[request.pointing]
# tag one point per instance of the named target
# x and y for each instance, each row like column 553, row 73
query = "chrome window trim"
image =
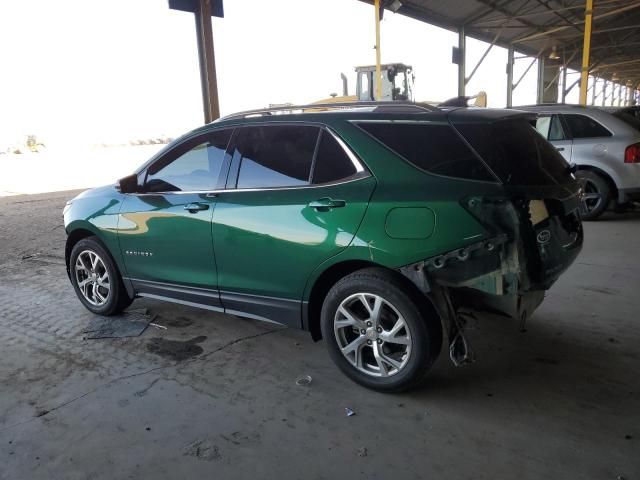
column 354, row 178
column 429, row 122
column 177, row 143
column 420, row 169
column 352, row 156
column 361, row 171
column 322, row 127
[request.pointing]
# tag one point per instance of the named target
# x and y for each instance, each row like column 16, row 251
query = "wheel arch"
column 81, row 232
column 329, row 277
column 74, row 237
column 605, row 176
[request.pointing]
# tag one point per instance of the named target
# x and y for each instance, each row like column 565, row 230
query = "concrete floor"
column 561, row 400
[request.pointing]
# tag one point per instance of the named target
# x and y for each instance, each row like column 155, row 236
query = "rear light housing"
column 632, row 153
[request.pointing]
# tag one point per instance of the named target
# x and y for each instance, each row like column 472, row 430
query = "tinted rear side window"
column 435, row 148
column 582, row 126
column 516, row 152
column 332, row 163
column 275, row 155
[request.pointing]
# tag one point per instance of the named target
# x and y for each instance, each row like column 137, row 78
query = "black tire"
column 594, row 184
column 425, row 329
column 117, row 298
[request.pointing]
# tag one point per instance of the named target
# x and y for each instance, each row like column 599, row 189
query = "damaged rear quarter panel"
column 401, row 185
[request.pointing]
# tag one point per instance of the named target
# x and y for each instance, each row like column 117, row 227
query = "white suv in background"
column 604, row 148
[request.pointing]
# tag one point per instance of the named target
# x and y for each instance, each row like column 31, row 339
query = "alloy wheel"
column 92, row 278
column 372, row 335
column 591, row 196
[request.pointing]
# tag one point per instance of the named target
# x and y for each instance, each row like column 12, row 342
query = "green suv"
column 380, row 228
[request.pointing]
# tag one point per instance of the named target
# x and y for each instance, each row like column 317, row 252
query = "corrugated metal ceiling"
column 535, row 26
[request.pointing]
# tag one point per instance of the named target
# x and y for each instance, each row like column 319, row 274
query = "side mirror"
column 128, row 184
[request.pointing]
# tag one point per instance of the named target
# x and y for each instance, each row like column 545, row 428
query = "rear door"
column 590, row 138
column 295, row 197
column 165, row 230
column 551, row 128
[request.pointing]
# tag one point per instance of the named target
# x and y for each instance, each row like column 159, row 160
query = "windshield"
column 402, row 86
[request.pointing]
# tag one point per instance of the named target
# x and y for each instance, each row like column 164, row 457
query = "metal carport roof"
column 534, row 27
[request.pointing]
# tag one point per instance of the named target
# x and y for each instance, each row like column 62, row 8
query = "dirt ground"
column 214, row 396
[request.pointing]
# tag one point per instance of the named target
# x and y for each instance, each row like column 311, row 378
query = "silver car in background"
column 604, row 148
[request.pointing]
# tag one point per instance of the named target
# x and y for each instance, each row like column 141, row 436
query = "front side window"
column 582, row 126
column 549, row 127
column 193, row 166
column 436, row 148
column 275, row 155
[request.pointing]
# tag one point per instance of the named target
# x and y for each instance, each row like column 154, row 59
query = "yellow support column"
column 586, row 50
column 378, row 72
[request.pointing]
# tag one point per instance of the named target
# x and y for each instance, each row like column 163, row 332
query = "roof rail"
column 548, row 104
column 383, row 106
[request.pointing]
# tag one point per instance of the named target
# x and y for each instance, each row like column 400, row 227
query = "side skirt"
column 281, row 311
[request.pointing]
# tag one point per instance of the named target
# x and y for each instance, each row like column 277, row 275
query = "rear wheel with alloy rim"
column 377, row 333
column 96, row 279
column 596, row 194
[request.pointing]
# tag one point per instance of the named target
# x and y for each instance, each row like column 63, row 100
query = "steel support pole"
column 586, row 51
column 604, row 92
column 378, row 68
column 593, row 90
column 540, row 79
column 620, row 95
column 510, row 53
column 564, row 83
column 462, row 60
column 211, row 105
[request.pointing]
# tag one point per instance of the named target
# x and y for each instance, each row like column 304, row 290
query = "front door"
column 165, row 230
column 295, row 198
column 550, row 127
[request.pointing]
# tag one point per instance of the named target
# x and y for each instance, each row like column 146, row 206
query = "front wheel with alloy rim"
column 596, row 194
column 96, row 279
column 378, row 333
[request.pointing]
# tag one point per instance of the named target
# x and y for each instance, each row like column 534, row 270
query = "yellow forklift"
column 397, row 84
column 397, row 80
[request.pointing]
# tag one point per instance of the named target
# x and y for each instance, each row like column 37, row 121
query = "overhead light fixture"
column 395, row 6
column 554, row 53
column 615, row 77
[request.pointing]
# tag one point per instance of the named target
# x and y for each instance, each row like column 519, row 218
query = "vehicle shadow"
column 550, row 364
column 610, row 215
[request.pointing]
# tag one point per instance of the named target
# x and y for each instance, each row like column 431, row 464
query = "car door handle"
column 196, row 207
column 326, row 204
column 560, row 149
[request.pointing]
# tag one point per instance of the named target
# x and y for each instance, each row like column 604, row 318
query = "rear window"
column 628, row 119
column 435, row 148
column 582, row 126
column 516, row 152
